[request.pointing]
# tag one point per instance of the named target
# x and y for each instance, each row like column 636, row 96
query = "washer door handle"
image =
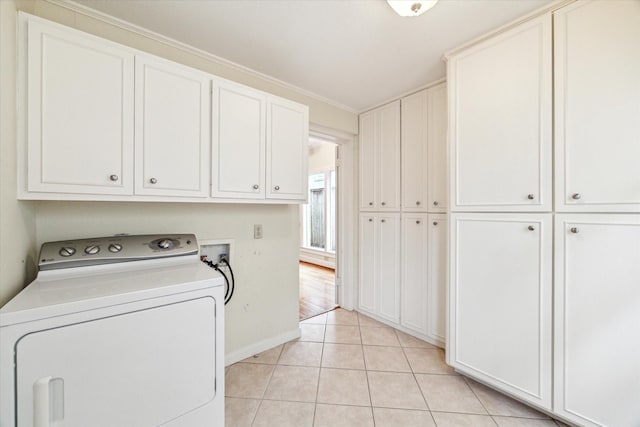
column 48, row 401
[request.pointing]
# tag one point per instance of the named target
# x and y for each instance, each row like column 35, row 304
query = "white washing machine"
column 118, row 331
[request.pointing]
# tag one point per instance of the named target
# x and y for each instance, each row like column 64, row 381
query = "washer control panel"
column 120, row 248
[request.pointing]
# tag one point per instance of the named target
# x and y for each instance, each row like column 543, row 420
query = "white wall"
column 265, row 305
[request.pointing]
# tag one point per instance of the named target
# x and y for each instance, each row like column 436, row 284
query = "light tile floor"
column 348, row 370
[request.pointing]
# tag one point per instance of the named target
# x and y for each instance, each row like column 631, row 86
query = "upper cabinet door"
column 368, row 154
column 437, row 149
column 415, row 119
column 500, row 121
column 597, row 106
column 238, row 143
column 389, row 157
column 172, row 129
column 287, row 149
column 80, row 112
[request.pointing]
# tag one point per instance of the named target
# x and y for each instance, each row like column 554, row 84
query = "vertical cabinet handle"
column 113, row 177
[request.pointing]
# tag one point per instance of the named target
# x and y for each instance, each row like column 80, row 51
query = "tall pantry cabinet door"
column 80, row 112
column 597, row 295
column 238, row 142
column 500, row 302
column 287, row 149
column 500, row 121
column 367, row 263
column 597, row 106
column 415, row 255
column 437, row 149
column 414, row 131
column 389, row 158
column 388, row 248
column 172, row 129
column 437, row 279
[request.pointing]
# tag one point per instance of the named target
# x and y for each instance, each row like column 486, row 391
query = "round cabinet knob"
column 418, row 203
column 531, row 228
column 115, row 247
column 67, row 251
column 153, row 181
column 113, row 177
column 384, row 220
column 92, row 249
column 165, row 244
column 417, row 221
column 574, row 230
column 435, row 222
column 531, row 196
column 383, row 203
column 576, row 196
column 277, row 187
column 435, row 203
column 370, row 203
column 256, row 186
column 370, row 219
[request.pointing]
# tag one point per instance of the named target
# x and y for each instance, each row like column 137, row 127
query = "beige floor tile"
column 346, row 356
column 340, row 316
column 449, row 393
column 341, row 334
column 301, row 354
column 447, row 419
column 395, row 390
column 295, row 383
column 274, row 413
column 561, row 424
column 312, row 333
column 498, row 404
column 247, row 380
column 379, row 358
column 369, row 322
column 407, row 340
column 379, row 336
column 239, row 412
column 270, row 357
column 523, row 422
column 427, row 361
column 386, row 417
column 343, row 416
column 343, row 387
column 320, row 319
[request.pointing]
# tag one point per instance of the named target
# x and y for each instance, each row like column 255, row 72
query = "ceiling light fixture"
column 411, row 7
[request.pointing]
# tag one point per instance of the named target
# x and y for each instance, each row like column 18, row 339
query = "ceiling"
column 356, row 53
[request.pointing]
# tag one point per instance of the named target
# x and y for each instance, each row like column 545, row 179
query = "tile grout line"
column 476, row 395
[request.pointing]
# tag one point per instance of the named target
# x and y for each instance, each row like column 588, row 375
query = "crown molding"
column 128, row 26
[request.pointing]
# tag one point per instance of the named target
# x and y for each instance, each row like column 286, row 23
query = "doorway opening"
column 318, row 230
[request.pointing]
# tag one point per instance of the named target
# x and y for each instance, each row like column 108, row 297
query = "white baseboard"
column 261, row 346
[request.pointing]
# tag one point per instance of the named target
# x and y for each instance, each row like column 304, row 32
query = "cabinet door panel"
column 238, row 142
column 172, row 129
column 597, row 112
column 414, row 152
column 80, row 112
column 367, row 263
column 389, row 159
column 437, row 270
column 388, row 249
column 437, row 149
column 415, row 258
column 368, row 160
column 597, row 370
column 500, row 122
column 287, row 150
column 500, row 301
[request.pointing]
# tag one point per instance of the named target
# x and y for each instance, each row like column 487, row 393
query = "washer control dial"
column 66, row 251
column 92, row 249
column 115, row 247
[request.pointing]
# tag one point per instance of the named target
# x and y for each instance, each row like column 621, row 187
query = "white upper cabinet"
column 415, row 157
column 597, row 320
column 238, row 143
column 172, row 137
column 437, row 149
column 500, row 121
column 597, row 106
column 79, row 112
column 500, row 301
column 287, row 149
column 380, row 158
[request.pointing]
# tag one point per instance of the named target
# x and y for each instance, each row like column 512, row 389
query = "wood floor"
column 317, row 290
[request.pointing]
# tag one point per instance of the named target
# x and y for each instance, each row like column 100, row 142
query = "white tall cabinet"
column 403, row 160
column 501, row 274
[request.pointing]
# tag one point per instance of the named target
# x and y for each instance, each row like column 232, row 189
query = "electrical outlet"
column 257, row 231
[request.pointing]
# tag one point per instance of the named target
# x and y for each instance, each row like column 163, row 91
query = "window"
column 319, row 215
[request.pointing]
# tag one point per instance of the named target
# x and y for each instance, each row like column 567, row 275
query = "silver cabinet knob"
column 417, row 221
column 370, row 219
column 383, row 220
column 256, row 186
column 576, row 196
column 113, row 177
column 418, row 203
column 67, row 251
column 383, row 203
column 277, row 187
column 531, row 228
column 574, row 230
column 435, row 203
column 370, row 203
column 153, row 181
column 435, row 222
column 531, row 196
column 92, row 249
